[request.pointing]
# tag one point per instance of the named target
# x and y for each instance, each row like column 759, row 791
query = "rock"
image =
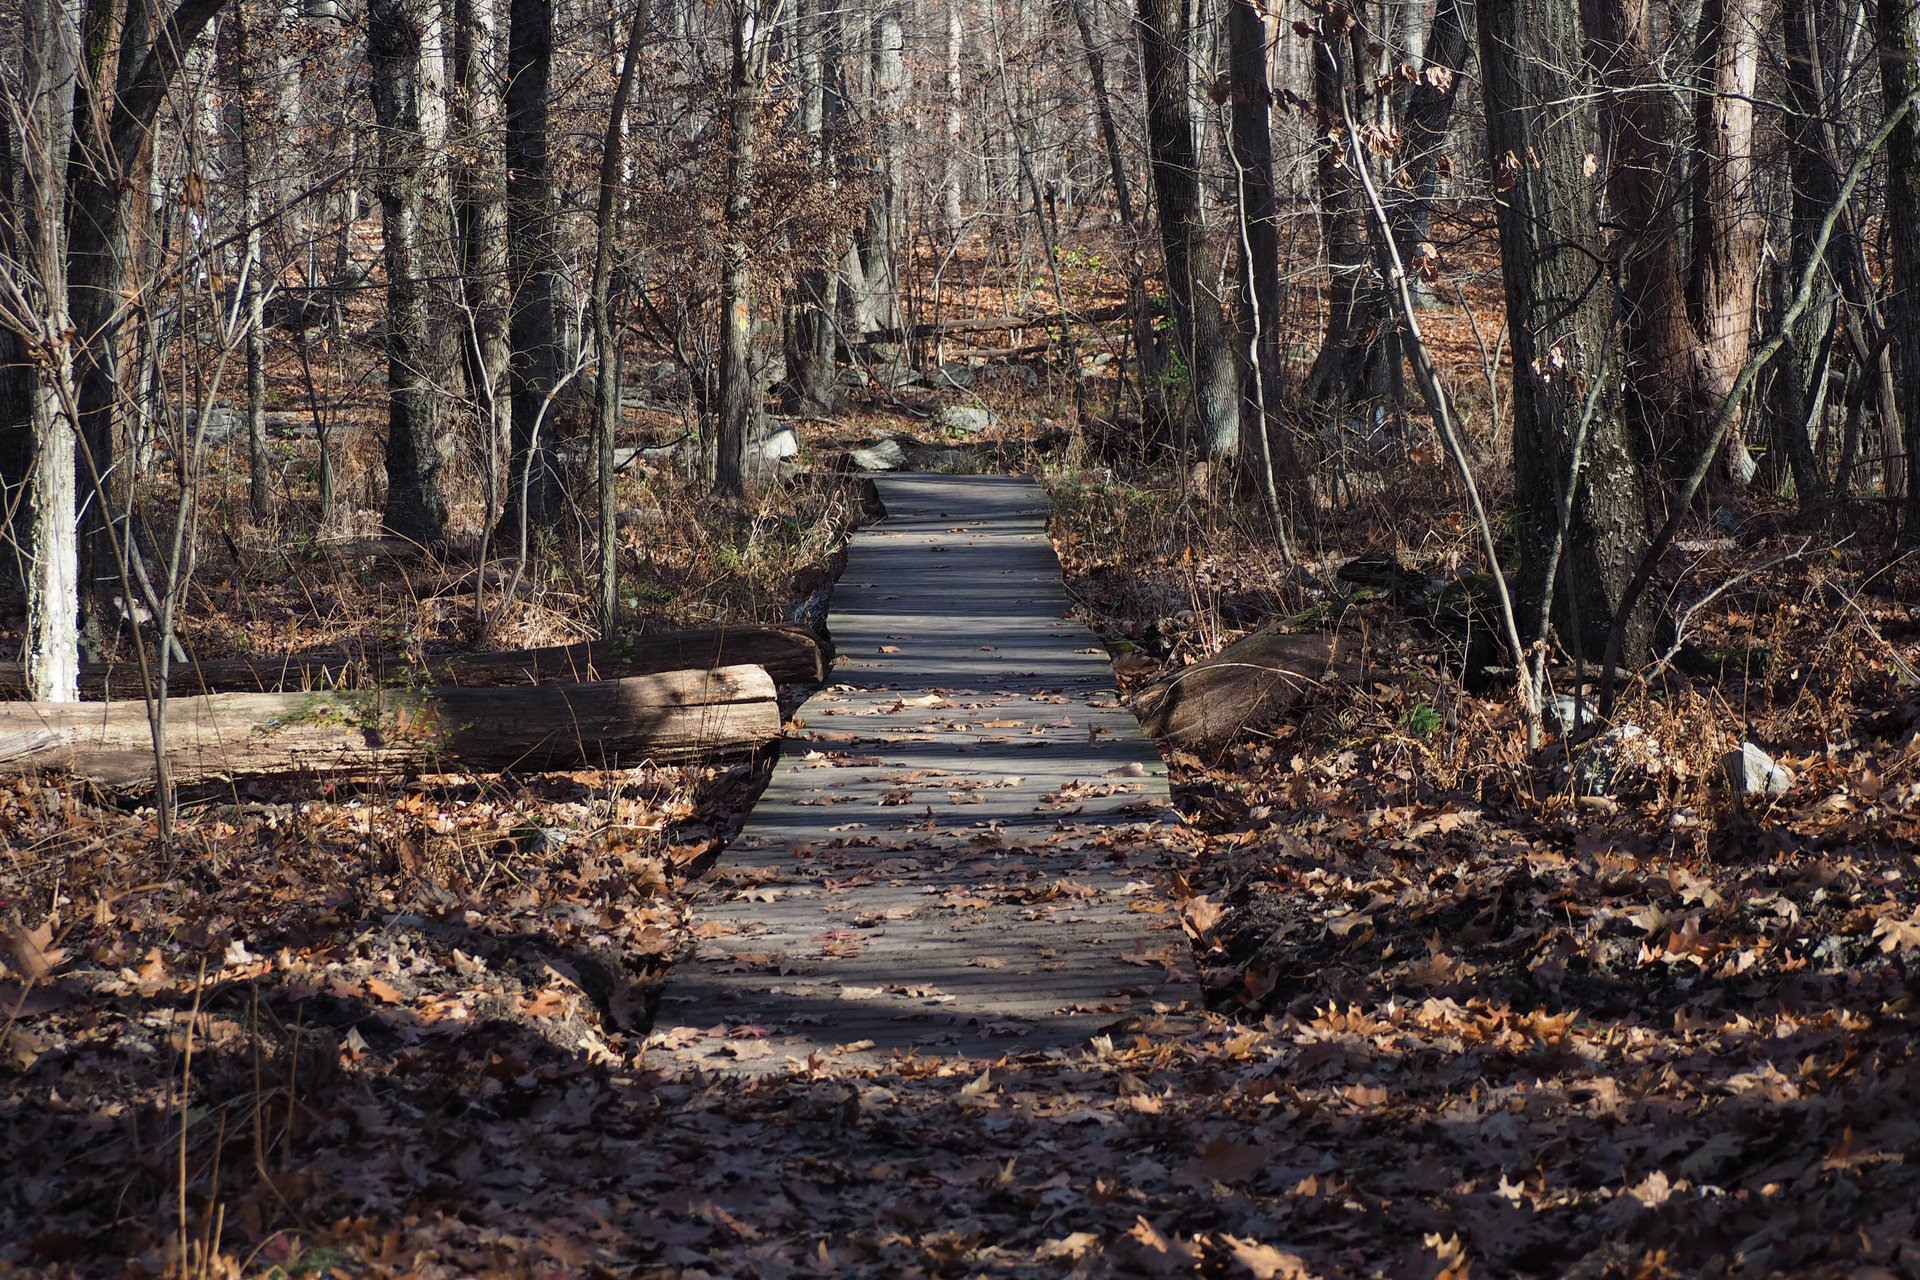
column 812, row 612
column 773, row 446
column 1566, row 714
column 895, row 377
column 539, row 840
column 953, row 375
column 669, row 378
column 1608, row 761
column 1752, row 772
column 850, row 377
column 881, row 455
column 886, row 352
column 963, row 417
column 222, row 422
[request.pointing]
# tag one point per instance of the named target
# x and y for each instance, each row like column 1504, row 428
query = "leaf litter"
column 1454, row 1025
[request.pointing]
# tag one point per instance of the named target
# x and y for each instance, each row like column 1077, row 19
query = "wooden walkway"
column 958, row 852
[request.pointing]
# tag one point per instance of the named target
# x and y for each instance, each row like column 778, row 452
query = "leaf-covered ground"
column 1458, row 1019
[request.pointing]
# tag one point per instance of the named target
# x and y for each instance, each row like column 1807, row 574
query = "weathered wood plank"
column 673, row 716
column 957, row 849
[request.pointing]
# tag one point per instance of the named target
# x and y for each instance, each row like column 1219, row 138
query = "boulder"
column 964, row 418
column 880, row 455
column 1752, row 772
column 773, row 446
column 1620, row 758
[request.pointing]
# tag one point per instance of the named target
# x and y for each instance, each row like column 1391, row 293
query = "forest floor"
column 1460, row 1015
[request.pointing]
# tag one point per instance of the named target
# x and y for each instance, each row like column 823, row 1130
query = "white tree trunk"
column 53, row 572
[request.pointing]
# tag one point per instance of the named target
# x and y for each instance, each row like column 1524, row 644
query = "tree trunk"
column 52, row 646
column 1801, row 373
column 112, row 122
column 480, row 229
column 1248, row 686
column 952, row 215
column 1192, row 292
column 1251, row 140
column 605, row 336
column 1638, row 122
column 1351, row 366
column 415, row 508
column 1727, row 226
column 740, row 391
column 686, row 715
column 1559, row 316
column 814, row 301
column 877, row 296
column 1898, row 35
column 1428, row 117
column 239, row 92
column 532, row 499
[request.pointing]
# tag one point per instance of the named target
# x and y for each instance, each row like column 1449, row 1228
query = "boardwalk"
column 958, row 852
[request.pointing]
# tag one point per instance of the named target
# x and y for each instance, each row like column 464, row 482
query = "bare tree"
column 242, row 97
column 113, row 116
column 38, row 108
column 740, row 390
column 533, row 268
column 1193, row 294
column 415, row 507
column 1560, row 317
column 606, row 343
column 1271, row 452
column 480, row 221
column 1897, row 26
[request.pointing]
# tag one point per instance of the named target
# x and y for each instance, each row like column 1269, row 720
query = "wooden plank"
column 674, row 716
column 957, row 850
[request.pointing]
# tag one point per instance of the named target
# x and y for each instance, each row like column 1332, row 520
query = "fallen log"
column 675, row 716
column 791, row 655
column 1250, row 683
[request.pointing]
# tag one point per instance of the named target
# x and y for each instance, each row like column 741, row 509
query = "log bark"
column 790, row 655
column 682, row 715
column 1248, row 684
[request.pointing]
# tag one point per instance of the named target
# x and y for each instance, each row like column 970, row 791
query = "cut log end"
column 1251, row 683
